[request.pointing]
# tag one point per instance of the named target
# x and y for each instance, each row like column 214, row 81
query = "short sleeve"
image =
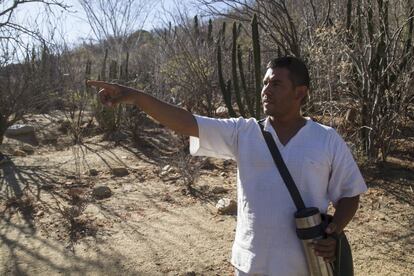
column 217, row 138
column 345, row 179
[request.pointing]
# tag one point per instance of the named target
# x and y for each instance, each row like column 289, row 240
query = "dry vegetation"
column 159, row 216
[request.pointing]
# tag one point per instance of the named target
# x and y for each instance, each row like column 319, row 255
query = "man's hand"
column 344, row 211
column 111, row 94
column 171, row 116
column 326, row 248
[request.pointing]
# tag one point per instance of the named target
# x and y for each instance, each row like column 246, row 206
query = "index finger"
column 100, row 84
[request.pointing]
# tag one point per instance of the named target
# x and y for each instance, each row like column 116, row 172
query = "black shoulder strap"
column 280, row 164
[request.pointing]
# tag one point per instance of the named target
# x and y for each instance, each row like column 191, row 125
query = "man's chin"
column 272, row 113
column 267, row 112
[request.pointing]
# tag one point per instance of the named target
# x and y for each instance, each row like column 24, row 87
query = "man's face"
column 279, row 96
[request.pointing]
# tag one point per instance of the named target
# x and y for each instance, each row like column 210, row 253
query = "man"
column 317, row 158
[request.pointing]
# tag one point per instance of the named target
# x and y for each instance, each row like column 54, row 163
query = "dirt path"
column 149, row 227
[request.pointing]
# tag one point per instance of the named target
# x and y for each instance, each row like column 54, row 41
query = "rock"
column 219, row 190
column 76, row 193
column 93, row 172
column 120, row 171
column 19, row 129
column 163, row 173
column 101, row 192
column 40, row 213
column 226, row 206
column 222, row 112
column 28, row 149
column 19, row 153
column 93, row 211
column 189, row 273
column 165, row 170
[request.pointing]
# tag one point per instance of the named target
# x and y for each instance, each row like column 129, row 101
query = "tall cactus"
column 249, row 103
column 253, row 105
column 225, row 88
column 102, row 75
column 196, row 27
column 113, row 70
column 126, row 66
column 210, row 32
column 234, row 72
column 257, row 63
column 88, row 70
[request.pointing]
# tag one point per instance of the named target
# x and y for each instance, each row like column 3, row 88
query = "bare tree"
column 28, row 85
column 189, row 63
column 10, row 29
column 114, row 21
column 283, row 23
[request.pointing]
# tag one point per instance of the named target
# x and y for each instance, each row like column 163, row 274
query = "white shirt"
column 320, row 164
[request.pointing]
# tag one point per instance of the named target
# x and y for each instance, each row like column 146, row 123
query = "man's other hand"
column 326, row 248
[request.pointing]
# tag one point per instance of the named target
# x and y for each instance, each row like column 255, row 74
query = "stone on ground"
column 226, row 206
column 28, row 149
column 219, row 190
column 19, row 129
column 93, row 172
column 101, row 192
column 121, row 171
column 19, row 153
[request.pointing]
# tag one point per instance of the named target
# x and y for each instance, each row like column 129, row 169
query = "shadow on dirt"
column 394, row 178
column 22, row 195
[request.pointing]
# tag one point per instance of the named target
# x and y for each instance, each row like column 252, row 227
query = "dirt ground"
column 150, row 225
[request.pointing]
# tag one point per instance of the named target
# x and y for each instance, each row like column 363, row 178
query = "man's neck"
column 288, row 122
column 287, row 127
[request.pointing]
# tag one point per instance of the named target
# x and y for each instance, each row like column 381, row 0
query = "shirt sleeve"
column 345, row 179
column 217, row 138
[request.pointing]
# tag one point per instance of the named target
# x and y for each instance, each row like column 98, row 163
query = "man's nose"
column 265, row 89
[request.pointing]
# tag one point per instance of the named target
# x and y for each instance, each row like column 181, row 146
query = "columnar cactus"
column 257, row 64
column 102, row 75
column 253, row 105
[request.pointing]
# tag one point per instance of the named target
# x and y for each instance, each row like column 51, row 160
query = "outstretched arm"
column 173, row 117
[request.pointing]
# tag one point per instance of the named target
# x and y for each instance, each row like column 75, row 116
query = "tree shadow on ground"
column 394, row 178
column 23, row 192
column 23, row 243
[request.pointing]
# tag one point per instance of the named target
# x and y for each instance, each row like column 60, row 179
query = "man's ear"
column 301, row 92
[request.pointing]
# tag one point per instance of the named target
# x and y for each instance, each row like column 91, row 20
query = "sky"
column 73, row 27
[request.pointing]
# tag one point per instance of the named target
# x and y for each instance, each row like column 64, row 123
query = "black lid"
column 307, row 212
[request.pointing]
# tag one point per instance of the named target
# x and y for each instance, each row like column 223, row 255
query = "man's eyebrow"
column 272, row 80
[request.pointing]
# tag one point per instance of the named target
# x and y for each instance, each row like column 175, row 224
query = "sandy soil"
column 50, row 223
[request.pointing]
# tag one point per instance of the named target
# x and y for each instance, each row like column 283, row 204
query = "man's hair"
column 298, row 73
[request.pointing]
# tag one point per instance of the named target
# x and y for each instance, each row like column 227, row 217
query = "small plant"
column 188, row 166
column 77, row 225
